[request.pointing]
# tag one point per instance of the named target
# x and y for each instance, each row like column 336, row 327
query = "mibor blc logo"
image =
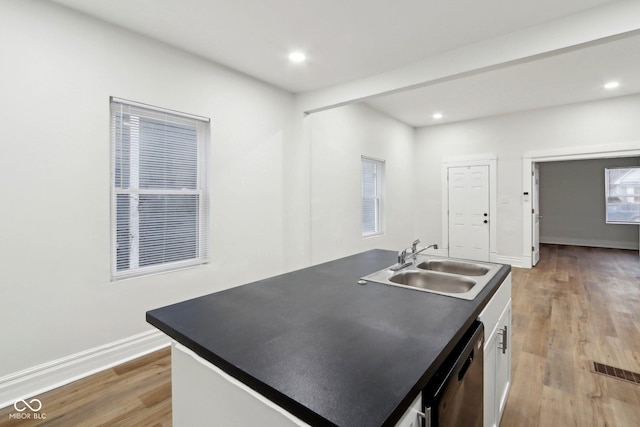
column 27, row 410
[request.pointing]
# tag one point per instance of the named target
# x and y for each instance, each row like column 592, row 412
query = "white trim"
column 612, row 244
column 513, row 261
column 470, row 160
column 159, row 109
column 47, row 376
column 623, row 149
column 487, row 159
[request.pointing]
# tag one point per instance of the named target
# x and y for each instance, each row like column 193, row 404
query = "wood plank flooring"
column 577, row 305
column 136, row 393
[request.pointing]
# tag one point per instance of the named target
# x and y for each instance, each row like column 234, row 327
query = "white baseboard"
column 50, row 375
column 613, row 244
column 514, row 261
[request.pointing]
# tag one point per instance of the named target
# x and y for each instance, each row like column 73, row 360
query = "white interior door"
column 469, row 214
column 535, row 212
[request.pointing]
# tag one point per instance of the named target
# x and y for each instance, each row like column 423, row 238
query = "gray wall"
column 572, row 205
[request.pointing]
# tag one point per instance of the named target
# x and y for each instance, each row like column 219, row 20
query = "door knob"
column 486, row 214
column 485, row 221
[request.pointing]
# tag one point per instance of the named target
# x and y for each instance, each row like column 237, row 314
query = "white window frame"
column 378, row 198
column 628, row 199
column 201, row 245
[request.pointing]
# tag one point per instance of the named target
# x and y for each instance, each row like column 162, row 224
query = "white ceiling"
column 570, row 77
column 347, row 40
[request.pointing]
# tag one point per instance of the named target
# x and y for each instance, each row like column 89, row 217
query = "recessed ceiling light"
column 611, row 85
column 437, row 116
column 297, row 57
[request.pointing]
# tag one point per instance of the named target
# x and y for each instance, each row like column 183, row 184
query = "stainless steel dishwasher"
column 454, row 397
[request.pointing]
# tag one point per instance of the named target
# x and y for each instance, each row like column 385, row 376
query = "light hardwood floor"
column 577, row 305
column 136, row 394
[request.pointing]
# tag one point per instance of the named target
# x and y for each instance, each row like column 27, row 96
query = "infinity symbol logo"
column 22, row 405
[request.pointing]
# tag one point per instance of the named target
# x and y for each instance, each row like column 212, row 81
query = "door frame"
column 535, row 213
column 489, row 160
column 529, row 158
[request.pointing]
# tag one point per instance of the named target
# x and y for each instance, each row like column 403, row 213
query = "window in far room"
column 622, row 189
column 372, row 196
column 159, row 206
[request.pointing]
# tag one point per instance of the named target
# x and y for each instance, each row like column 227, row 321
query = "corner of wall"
column 56, row 373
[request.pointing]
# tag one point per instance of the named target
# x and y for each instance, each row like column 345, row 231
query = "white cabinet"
column 496, row 318
column 489, row 410
column 503, row 361
column 411, row 417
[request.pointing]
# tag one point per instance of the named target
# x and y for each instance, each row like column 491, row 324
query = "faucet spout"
column 414, row 246
column 415, row 252
column 402, row 255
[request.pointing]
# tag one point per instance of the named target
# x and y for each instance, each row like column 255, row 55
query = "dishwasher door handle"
column 426, row 416
column 465, row 367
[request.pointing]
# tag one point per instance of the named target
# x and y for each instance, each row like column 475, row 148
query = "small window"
column 622, row 188
column 159, row 214
column 372, row 196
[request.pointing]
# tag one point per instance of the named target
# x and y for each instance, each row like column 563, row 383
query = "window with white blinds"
column 159, row 207
column 372, row 192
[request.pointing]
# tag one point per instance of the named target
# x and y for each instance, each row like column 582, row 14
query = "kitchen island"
column 322, row 347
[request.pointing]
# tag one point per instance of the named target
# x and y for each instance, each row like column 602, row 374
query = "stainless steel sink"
column 444, row 276
column 434, row 282
column 454, row 267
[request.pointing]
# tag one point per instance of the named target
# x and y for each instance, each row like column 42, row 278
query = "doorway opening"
column 533, row 160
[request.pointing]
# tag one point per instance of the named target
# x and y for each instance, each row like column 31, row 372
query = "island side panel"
column 203, row 395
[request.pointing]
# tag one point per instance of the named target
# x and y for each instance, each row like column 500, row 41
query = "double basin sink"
column 445, row 276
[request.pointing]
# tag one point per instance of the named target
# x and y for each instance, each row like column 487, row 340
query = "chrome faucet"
column 402, row 261
column 414, row 246
column 415, row 251
column 402, row 255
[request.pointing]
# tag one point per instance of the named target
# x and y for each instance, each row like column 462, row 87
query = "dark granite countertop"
column 328, row 350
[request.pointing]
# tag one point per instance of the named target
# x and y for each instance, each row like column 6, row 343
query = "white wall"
column 509, row 137
column 58, row 69
column 572, row 205
column 339, row 138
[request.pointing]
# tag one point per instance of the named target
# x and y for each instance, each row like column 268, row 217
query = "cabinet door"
column 490, row 352
column 410, row 417
column 497, row 365
column 503, row 361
